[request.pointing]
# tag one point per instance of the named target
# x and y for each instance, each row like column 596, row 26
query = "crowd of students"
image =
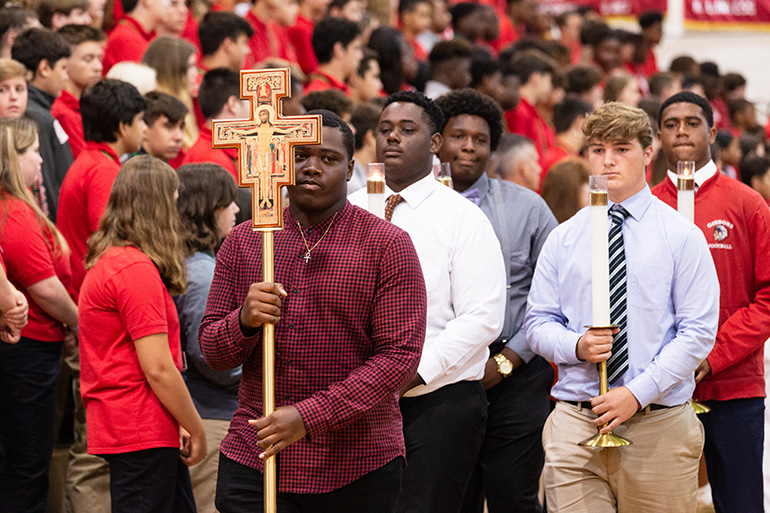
column 106, row 116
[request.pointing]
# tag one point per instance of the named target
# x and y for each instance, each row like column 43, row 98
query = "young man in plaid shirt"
column 349, row 308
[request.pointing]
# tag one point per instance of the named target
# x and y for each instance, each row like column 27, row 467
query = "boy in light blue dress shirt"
column 670, row 314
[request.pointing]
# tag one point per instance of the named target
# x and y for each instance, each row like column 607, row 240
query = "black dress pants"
column 240, row 489
column 512, row 457
column 443, row 431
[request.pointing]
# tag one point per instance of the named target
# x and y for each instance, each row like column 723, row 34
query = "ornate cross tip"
column 266, row 142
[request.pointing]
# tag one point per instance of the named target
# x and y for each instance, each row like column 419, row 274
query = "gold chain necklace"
column 308, row 248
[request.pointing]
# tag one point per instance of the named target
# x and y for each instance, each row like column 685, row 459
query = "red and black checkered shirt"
column 350, row 335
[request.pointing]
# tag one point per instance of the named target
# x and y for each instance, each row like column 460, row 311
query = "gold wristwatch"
column 504, row 365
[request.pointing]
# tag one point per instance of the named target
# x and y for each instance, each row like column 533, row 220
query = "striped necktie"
column 618, row 362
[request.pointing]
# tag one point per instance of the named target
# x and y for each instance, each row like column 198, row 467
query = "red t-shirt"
column 29, row 258
column 82, row 200
column 301, row 37
column 269, row 40
column 650, row 65
column 66, row 109
column 556, row 154
column 525, row 120
column 321, row 82
column 202, row 151
column 190, row 31
column 127, row 42
column 123, row 299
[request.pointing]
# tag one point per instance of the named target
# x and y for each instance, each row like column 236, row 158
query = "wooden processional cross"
column 266, row 163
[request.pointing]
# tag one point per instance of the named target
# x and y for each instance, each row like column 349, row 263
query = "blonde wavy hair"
column 616, row 122
column 16, row 137
column 141, row 212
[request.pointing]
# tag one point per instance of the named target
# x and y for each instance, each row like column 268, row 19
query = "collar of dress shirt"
column 417, row 192
column 482, row 184
column 701, row 175
column 637, row 204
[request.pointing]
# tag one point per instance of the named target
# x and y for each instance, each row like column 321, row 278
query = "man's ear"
column 231, row 106
column 351, row 166
column 435, row 143
column 43, row 68
column 121, row 129
column 227, row 44
column 338, row 50
column 55, row 19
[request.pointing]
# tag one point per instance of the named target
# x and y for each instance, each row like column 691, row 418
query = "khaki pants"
column 88, row 476
column 657, row 474
column 204, row 474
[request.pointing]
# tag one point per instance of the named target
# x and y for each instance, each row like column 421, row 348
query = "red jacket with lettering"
column 736, row 222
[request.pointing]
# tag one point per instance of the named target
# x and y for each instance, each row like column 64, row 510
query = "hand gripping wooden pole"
column 265, row 145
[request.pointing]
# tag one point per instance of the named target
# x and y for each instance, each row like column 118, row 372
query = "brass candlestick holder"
column 608, row 439
column 699, row 407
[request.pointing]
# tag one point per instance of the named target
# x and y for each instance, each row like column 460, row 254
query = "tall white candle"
column 375, row 188
column 600, row 259
column 685, row 189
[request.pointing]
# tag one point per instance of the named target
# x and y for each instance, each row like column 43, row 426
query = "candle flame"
column 375, row 172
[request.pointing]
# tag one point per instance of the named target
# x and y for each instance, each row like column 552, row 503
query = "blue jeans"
column 28, row 372
column 734, row 445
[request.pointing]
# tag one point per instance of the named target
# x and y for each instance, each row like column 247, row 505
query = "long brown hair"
column 562, row 185
column 16, row 137
column 206, row 188
column 141, row 212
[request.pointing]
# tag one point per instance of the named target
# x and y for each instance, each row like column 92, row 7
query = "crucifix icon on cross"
column 265, row 141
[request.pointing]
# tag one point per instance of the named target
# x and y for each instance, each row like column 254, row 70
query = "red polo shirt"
column 650, row 64
column 301, row 37
column 556, row 154
column 66, row 109
column 269, row 40
column 525, row 120
column 83, row 199
column 321, row 82
column 127, row 42
column 202, row 151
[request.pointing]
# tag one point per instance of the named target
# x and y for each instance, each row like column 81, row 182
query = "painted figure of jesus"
column 260, row 142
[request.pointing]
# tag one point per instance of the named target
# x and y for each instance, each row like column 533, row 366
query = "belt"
column 587, row 405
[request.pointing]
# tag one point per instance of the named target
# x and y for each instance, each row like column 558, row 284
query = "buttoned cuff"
column 566, row 350
column 429, row 368
column 312, row 412
column 644, row 389
column 245, row 332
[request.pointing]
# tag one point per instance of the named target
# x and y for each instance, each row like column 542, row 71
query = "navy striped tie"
column 618, row 362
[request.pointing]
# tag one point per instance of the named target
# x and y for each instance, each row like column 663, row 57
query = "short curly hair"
column 688, row 97
column 431, row 112
column 473, row 103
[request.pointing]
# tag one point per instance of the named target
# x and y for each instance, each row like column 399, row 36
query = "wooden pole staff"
column 265, row 145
